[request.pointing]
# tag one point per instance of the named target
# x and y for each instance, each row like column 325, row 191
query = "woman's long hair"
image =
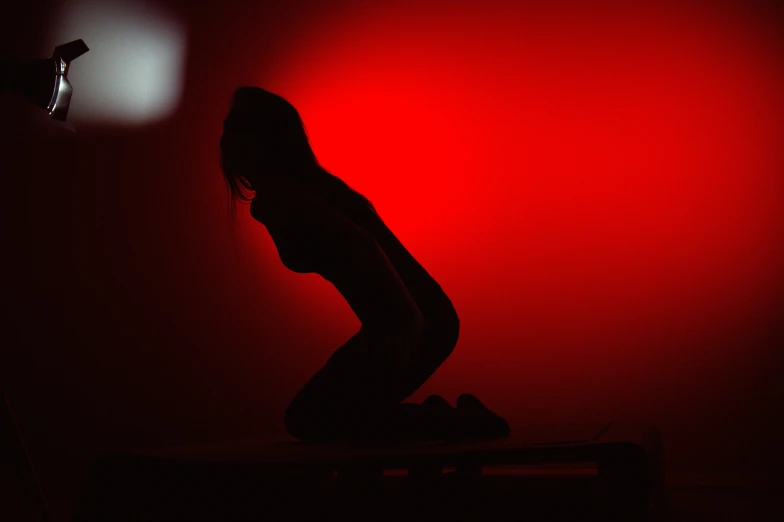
column 264, row 133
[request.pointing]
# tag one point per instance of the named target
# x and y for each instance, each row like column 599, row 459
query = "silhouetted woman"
column 320, row 225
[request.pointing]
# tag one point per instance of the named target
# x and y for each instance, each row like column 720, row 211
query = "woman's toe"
column 442, row 418
column 479, row 422
column 436, row 403
column 467, row 400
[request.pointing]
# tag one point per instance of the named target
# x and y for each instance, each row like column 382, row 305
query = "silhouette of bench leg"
column 626, row 475
column 425, row 472
column 469, row 469
column 360, row 477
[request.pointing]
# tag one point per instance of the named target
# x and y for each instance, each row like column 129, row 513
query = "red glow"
column 599, row 193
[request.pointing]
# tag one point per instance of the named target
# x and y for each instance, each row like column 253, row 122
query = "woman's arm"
column 309, row 233
column 360, row 270
column 439, row 313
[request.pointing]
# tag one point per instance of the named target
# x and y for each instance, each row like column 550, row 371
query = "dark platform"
column 610, row 471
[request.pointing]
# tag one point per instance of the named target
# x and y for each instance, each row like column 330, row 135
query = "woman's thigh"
column 359, row 374
column 366, row 378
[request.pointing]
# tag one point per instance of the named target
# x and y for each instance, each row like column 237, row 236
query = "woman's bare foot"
column 442, row 419
column 435, row 420
column 408, row 423
column 476, row 421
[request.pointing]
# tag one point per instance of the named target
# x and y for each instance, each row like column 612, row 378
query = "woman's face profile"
column 245, row 152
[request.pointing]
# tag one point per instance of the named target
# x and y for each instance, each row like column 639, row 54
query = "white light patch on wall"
column 134, row 71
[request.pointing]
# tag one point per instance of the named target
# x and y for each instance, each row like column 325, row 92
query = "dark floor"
column 499, row 495
column 502, row 495
column 726, row 504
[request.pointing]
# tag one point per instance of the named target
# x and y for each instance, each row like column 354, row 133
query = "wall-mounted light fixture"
column 44, row 82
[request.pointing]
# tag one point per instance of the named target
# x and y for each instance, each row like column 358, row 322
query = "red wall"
column 600, row 191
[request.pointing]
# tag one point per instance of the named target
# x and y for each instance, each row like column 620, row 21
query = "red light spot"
column 596, row 193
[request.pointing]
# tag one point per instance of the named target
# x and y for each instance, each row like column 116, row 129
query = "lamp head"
column 45, row 82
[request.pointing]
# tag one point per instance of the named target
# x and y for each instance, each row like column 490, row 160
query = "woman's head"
column 263, row 135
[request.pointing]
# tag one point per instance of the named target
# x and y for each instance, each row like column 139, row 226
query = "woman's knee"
column 311, row 420
column 444, row 340
column 298, row 425
column 299, row 420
